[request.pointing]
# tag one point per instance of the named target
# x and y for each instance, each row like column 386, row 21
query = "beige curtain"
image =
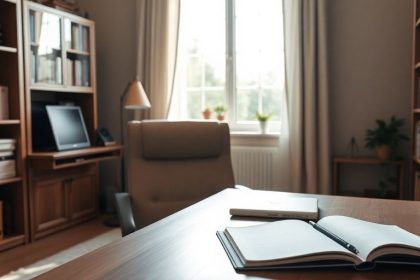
column 158, row 22
column 307, row 95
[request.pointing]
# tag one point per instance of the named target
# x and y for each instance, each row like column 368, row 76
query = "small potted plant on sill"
column 384, row 139
column 220, row 110
column 263, row 119
column 206, row 113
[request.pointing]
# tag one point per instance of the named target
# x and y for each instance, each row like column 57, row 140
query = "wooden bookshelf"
column 13, row 190
column 63, row 186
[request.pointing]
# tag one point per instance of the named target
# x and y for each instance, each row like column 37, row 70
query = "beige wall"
column 370, row 69
column 116, row 66
column 370, row 60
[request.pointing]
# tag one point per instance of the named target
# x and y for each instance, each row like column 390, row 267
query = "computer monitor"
column 68, row 127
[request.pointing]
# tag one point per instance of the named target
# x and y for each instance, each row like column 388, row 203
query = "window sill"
column 246, row 138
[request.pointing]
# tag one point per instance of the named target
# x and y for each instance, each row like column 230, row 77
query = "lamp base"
column 112, row 221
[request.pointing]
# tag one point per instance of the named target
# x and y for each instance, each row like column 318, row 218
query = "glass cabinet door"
column 77, row 53
column 46, row 49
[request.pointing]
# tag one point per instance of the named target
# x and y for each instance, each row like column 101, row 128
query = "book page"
column 283, row 242
column 367, row 236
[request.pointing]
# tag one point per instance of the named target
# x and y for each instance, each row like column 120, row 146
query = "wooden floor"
column 25, row 255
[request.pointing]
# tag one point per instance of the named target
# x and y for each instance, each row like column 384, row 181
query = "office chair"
column 173, row 164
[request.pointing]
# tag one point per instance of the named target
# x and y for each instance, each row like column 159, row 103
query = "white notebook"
column 278, row 207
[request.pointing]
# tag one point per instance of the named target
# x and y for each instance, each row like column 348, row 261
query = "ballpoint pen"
column 334, row 237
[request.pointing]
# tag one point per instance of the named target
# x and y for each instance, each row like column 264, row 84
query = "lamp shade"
column 136, row 96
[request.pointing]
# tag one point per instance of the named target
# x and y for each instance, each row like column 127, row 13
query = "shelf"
column 416, row 110
column 418, row 22
column 365, row 160
column 60, row 88
column 66, row 159
column 8, row 49
column 10, row 180
column 73, row 51
column 11, row 241
column 9, row 122
column 417, row 66
column 11, row 1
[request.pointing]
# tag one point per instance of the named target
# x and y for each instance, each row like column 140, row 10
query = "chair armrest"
column 125, row 213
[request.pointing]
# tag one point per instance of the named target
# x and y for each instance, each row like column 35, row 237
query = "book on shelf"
column 75, row 36
column 7, row 141
column 7, row 168
column 7, row 147
column 4, row 103
column 4, row 154
column 1, row 220
column 78, row 73
column 58, row 70
column 7, row 144
column 291, row 244
column 85, row 39
column 85, row 73
column 70, row 71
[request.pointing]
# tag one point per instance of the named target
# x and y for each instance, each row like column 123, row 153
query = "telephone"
column 104, row 137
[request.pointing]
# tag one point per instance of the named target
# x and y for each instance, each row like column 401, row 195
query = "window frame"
column 230, row 89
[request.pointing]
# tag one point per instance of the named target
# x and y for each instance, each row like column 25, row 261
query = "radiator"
column 254, row 166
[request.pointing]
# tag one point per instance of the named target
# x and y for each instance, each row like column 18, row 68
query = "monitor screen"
column 68, row 127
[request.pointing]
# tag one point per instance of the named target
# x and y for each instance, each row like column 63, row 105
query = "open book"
column 297, row 244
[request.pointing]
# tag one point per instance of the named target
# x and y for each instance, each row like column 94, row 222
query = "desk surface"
column 184, row 245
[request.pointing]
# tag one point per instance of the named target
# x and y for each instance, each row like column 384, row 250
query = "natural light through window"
column 230, row 53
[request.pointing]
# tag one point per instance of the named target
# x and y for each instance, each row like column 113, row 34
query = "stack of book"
column 7, row 158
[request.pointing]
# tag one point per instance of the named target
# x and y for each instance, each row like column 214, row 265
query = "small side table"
column 338, row 161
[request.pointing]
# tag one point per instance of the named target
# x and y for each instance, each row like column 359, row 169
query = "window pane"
column 195, row 73
column 270, row 103
column 247, row 73
column 215, row 98
column 254, row 58
column 215, row 73
column 203, row 43
column 194, row 104
column 247, row 104
column 259, row 57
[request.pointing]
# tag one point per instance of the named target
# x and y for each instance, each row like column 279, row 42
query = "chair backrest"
column 172, row 165
column 125, row 213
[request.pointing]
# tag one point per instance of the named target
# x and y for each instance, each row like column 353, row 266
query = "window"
column 230, row 53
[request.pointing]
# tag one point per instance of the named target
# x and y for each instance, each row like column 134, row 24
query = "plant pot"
column 221, row 117
column 382, row 152
column 264, row 127
column 206, row 114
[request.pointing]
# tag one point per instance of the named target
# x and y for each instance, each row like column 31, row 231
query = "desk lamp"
column 133, row 98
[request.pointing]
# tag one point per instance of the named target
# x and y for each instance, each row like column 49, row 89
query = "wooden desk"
column 185, row 246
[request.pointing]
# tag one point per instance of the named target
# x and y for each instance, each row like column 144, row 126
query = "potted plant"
column 220, row 110
column 263, row 119
column 206, row 113
column 384, row 139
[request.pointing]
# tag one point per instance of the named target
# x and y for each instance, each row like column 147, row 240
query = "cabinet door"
column 45, row 48
column 50, row 206
column 82, row 196
column 78, row 56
